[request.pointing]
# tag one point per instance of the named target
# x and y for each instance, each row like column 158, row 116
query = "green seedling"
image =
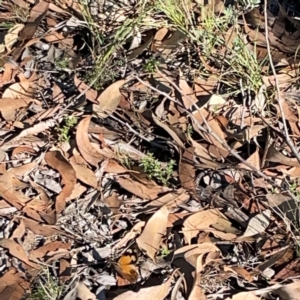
column 154, row 170
column 46, row 287
column 150, row 65
column 64, row 131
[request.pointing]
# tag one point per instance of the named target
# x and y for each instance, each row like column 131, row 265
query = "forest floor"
column 149, row 149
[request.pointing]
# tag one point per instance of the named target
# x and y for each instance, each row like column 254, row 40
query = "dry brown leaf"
column 37, row 13
column 258, row 224
column 84, row 174
column 290, row 270
column 78, row 190
column 240, row 271
column 171, row 200
column 191, row 252
column 89, row 93
column 161, row 34
column 17, row 251
column 135, row 230
column 22, row 149
column 22, row 170
column 200, row 220
column 44, row 230
column 253, row 159
column 153, row 233
column 52, row 246
column 205, row 87
column 150, row 190
column 168, row 45
column 56, row 161
column 187, row 172
column 113, row 202
column 12, row 285
column 244, row 296
column 199, row 116
column 19, row 90
column 89, row 151
column 64, row 270
column 289, row 292
column 11, row 197
column 158, row 292
column 197, row 292
column 109, row 100
column 203, row 154
column 12, row 36
column 188, row 95
column 275, row 156
column 83, row 293
column 168, row 130
column 113, row 166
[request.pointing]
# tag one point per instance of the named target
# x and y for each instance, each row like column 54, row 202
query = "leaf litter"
column 149, row 149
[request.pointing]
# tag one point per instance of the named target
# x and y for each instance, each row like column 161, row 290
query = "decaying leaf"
column 289, row 292
column 197, row 292
column 109, row 100
column 84, row 174
column 59, row 163
column 244, row 296
column 92, row 154
column 191, row 253
column 158, row 292
column 12, row 285
column 187, row 171
column 200, row 220
column 90, row 93
column 17, row 251
column 153, row 233
column 258, row 224
column 83, row 292
column 149, row 190
column 12, row 36
column 19, row 90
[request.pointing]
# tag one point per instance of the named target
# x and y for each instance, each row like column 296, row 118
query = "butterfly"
column 126, row 266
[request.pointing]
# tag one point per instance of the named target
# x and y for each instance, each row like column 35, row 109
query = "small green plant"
column 64, row 131
column 46, row 287
column 150, row 65
column 189, row 130
column 293, row 188
column 62, row 63
column 153, row 168
column 165, row 251
column 124, row 159
column 6, row 25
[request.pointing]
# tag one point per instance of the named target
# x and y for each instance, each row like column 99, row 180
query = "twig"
column 287, row 137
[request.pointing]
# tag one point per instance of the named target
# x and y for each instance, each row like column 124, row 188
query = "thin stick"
column 287, row 137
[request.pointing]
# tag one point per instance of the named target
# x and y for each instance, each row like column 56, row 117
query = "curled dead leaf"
column 56, row 161
column 109, row 100
column 152, row 235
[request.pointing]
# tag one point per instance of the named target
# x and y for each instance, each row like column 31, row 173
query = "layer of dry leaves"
column 226, row 226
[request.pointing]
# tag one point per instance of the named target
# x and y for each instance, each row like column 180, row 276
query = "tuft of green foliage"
column 150, row 65
column 165, row 251
column 46, row 287
column 62, row 63
column 64, row 131
column 154, row 170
